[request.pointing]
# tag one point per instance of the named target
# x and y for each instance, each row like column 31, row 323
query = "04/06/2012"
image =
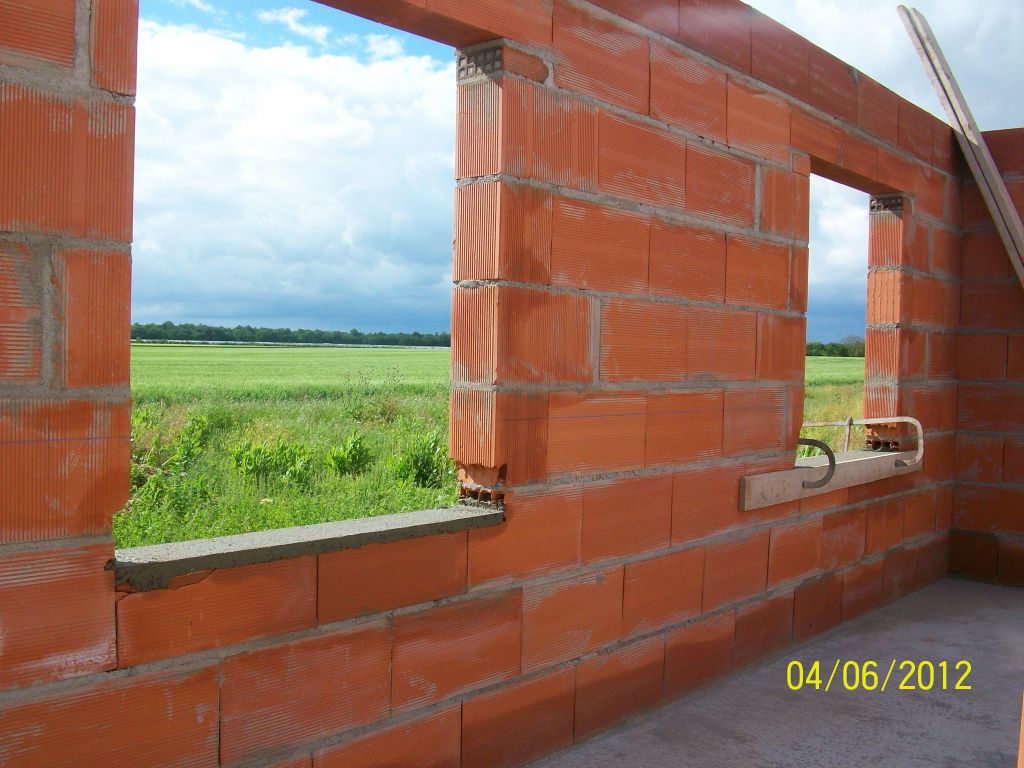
column 852, row 675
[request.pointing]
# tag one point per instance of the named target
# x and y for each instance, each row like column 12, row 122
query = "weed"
column 425, row 462
column 351, row 457
column 290, row 463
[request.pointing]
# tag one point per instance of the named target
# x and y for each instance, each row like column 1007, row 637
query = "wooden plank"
column 854, row 468
column 972, row 142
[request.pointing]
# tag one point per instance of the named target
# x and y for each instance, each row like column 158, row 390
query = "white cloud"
column 199, row 5
column 281, row 187
column 292, row 18
column 384, row 46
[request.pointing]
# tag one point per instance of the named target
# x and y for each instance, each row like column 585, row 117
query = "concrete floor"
column 754, row 720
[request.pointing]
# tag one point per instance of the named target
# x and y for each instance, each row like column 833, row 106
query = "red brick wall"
column 987, row 541
column 628, row 324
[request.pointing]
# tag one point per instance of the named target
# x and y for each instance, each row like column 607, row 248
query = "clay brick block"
column 915, row 133
column 521, row 63
column 721, row 344
column 817, row 138
column 95, row 307
column 941, row 356
column 683, row 427
column 443, row 651
column 225, row 607
column 894, row 354
column 817, row 606
column 973, row 555
column 103, row 178
column 919, row 514
column 548, row 135
column 734, row 570
column 1011, row 562
column 434, row 741
column 57, row 614
column 884, row 526
column 541, row 534
column 42, row 29
column 934, row 406
column 527, row 21
column 600, row 59
column 946, row 249
column 653, row 14
column 687, row 93
column 763, row 628
column 626, row 517
column 798, row 266
column 719, row 28
column 892, row 238
column 932, row 560
column 502, row 232
column 889, row 297
column 173, row 718
column 794, row 551
column 588, row 432
column 21, row 325
column 781, row 345
column 833, row 87
column 570, row 618
column 862, row 589
column 63, row 467
column 686, row 262
column 494, row 429
column 899, row 573
column 698, row 653
column 785, row 203
column 541, row 337
column 757, row 273
column 779, row 56
column 610, row 688
column 983, row 256
column 517, row 724
column 1015, row 358
column 599, row 248
column 478, row 129
column 287, row 694
column 987, row 508
column 114, row 45
column 381, row 577
column 754, row 420
column 474, row 332
column 979, row 458
column 705, row 501
column 719, row 186
column 995, row 305
column 989, row 408
column 640, row 162
column 642, row 341
column 662, row 590
column 878, row 110
column 758, row 123
column 859, row 160
column 1013, row 460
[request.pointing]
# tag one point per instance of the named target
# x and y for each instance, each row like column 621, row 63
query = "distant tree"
column 169, row 331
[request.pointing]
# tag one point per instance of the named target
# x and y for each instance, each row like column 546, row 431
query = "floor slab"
column 754, row 719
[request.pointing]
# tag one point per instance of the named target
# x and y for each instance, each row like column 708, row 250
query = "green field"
column 233, row 439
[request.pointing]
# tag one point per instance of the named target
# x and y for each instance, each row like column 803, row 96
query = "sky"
column 294, row 164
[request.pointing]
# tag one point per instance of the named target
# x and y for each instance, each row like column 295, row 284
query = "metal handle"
column 918, row 455
column 831, row 462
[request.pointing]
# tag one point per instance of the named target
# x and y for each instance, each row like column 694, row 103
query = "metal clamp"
column 831, row 462
column 848, row 423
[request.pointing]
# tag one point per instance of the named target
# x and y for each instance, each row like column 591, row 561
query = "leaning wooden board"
column 990, row 182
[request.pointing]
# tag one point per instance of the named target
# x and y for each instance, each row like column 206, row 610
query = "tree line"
column 169, row 331
column 851, row 346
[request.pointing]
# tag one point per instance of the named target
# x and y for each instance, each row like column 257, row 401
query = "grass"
column 234, row 439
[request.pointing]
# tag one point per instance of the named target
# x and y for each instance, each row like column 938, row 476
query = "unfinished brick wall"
column 987, row 541
column 628, row 331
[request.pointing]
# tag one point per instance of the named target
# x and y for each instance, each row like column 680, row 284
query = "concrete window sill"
column 852, row 468
column 153, row 567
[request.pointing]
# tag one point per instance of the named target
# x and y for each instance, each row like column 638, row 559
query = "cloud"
column 292, row 18
column 384, row 46
column 279, row 187
column 199, row 5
